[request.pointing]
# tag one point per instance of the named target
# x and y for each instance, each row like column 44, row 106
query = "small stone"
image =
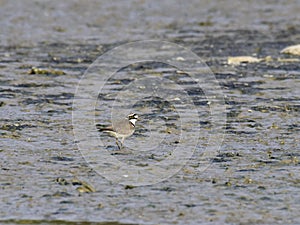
column 129, row 187
column 242, row 59
column 293, row 50
column 85, row 188
column 62, row 181
column 180, row 59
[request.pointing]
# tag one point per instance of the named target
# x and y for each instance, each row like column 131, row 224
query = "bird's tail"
column 101, row 127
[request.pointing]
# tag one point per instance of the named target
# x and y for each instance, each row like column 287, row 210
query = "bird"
column 121, row 129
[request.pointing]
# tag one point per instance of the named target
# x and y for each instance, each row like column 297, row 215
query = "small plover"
column 121, row 129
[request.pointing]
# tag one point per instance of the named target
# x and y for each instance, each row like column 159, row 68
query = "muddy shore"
column 45, row 48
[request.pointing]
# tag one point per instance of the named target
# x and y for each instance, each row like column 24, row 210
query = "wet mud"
column 254, row 178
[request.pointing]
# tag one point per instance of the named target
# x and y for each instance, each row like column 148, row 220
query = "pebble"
column 242, row 59
column 293, row 50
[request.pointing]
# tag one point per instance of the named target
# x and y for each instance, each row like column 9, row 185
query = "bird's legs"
column 118, row 144
column 122, row 142
column 120, row 147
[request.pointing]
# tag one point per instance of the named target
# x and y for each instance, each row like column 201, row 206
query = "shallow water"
column 254, row 179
